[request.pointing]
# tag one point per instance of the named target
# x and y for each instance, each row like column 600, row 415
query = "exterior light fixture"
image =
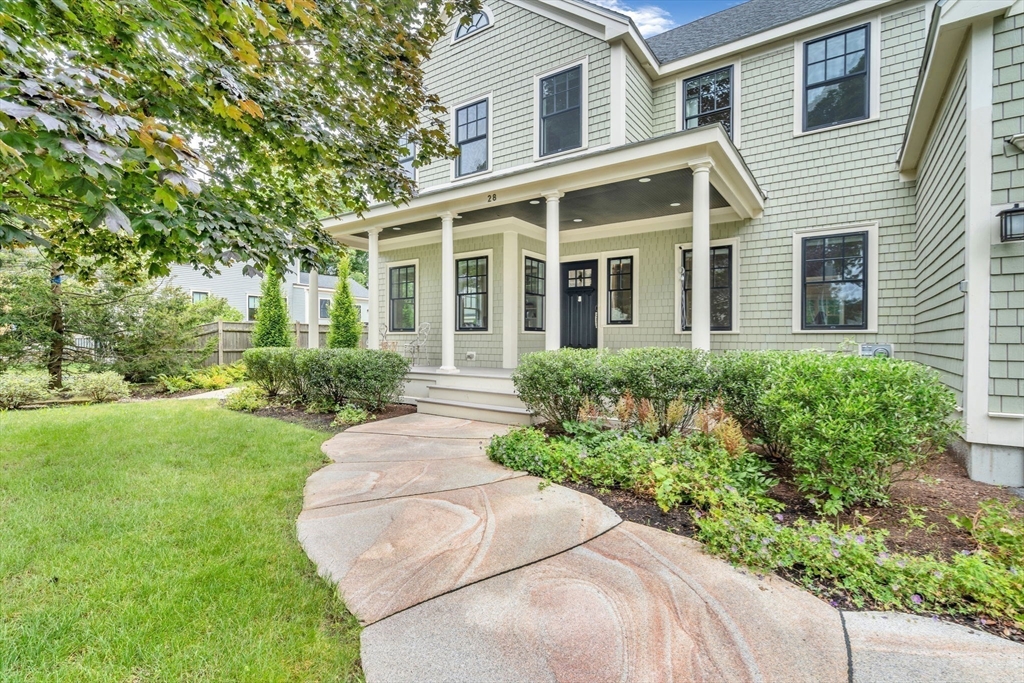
column 1011, row 223
column 645, row 180
column 577, row 220
column 396, row 228
column 674, row 204
column 535, row 201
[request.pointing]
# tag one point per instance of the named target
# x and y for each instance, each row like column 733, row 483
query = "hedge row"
column 334, row 376
column 847, row 425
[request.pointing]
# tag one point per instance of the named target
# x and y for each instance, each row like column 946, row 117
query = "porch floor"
column 464, row 372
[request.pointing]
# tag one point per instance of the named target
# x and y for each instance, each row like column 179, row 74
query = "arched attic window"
column 477, row 22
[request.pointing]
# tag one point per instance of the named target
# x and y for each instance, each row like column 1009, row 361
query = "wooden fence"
column 234, row 338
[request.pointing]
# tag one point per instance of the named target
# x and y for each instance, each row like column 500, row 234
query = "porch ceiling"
column 626, row 200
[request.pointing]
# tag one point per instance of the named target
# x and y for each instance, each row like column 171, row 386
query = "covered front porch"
column 583, row 251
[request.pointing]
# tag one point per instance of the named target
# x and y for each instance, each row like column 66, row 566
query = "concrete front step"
column 480, row 412
column 463, row 380
column 509, row 399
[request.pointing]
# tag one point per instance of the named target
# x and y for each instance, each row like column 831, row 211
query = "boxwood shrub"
column 663, row 375
column 557, row 384
column 270, row 368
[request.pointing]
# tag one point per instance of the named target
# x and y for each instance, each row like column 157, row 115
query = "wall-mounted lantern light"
column 1011, row 223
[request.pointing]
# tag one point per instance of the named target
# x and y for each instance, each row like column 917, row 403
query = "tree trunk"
column 55, row 357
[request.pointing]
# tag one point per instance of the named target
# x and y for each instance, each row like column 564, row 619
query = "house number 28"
column 492, row 198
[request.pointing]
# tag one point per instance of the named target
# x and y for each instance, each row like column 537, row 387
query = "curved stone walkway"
column 465, row 571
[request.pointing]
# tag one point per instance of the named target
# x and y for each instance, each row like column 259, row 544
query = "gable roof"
column 733, row 24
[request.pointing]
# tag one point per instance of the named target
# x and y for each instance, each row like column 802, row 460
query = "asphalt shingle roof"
column 732, row 24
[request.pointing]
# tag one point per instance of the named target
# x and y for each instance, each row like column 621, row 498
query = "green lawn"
column 156, row 541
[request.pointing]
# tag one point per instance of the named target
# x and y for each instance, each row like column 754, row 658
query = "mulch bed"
column 322, row 421
column 940, row 490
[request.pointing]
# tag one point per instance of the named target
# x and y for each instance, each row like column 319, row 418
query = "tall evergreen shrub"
column 271, row 327
column 346, row 328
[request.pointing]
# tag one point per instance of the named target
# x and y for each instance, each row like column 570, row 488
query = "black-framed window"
column 535, row 281
column 325, row 308
column 402, row 298
column 707, row 100
column 836, row 80
column 471, row 138
column 620, row 290
column 407, row 157
column 471, row 294
column 561, row 111
column 835, row 281
column 721, row 289
column 252, row 305
column 478, row 21
column 199, row 296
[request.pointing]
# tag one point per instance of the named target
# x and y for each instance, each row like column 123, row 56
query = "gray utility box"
column 876, row 350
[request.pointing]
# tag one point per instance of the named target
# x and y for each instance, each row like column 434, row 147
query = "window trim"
column 192, row 295
column 490, row 135
column 680, row 81
column 320, row 307
column 415, row 299
column 733, row 242
column 732, row 96
column 874, row 72
column 584, row 65
column 525, row 254
column 252, row 318
column 871, row 274
column 607, row 277
column 489, row 253
column 490, row 22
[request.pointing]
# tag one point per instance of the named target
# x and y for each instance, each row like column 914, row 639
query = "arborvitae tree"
column 271, row 327
column 346, row 327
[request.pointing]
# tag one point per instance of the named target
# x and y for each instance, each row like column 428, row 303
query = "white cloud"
column 649, row 19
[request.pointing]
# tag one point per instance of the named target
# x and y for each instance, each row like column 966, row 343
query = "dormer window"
column 477, row 22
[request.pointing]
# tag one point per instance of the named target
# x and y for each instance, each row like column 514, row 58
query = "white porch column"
column 510, row 299
column 372, row 287
column 700, row 270
column 553, row 279
column 447, row 294
column 313, row 309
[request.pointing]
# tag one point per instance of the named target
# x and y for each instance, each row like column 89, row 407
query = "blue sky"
column 657, row 16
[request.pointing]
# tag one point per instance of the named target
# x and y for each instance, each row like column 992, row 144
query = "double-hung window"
column 471, row 131
column 253, row 305
column 402, row 298
column 561, row 111
column 836, row 88
column 707, row 100
column 199, row 296
column 834, row 281
column 620, row 290
column 471, row 294
column 535, row 283
column 721, row 289
column 325, row 308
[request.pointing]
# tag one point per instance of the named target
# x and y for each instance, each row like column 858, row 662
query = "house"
column 783, row 174
column 243, row 291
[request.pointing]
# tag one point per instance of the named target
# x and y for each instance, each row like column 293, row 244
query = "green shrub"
column 247, row 399
column 528, row 450
column 741, row 378
column 558, row 384
column 324, row 375
column 373, row 378
column 270, row 368
column 102, row 387
column 664, row 377
column 350, row 415
column 271, row 328
column 852, row 424
column 20, row 388
column 172, row 384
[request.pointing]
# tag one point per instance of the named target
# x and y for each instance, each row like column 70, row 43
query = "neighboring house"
column 243, row 292
column 783, row 174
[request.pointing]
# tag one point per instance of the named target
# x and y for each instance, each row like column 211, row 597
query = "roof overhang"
column 729, row 176
column 950, row 24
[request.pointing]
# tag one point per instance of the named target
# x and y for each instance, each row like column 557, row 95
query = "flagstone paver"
column 353, row 482
column 391, row 554
column 352, row 446
column 468, row 572
column 925, row 650
column 635, row 604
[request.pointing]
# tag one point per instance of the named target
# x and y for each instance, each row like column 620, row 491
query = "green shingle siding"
column 639, row 105
column 663, row 108
column 529, row 341
column 1007, row 109
column 503, row 60
column 941, row 220
column 1006, row 330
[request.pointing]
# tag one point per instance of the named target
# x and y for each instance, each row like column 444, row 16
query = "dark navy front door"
column 579, row 304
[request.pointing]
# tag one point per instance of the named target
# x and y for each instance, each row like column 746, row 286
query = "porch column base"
column 448, row 370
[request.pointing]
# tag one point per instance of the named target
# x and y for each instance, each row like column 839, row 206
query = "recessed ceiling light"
column 535, row 201
column 577, row 220
column 396, row 228
column 674, row 204
column 645, row 180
